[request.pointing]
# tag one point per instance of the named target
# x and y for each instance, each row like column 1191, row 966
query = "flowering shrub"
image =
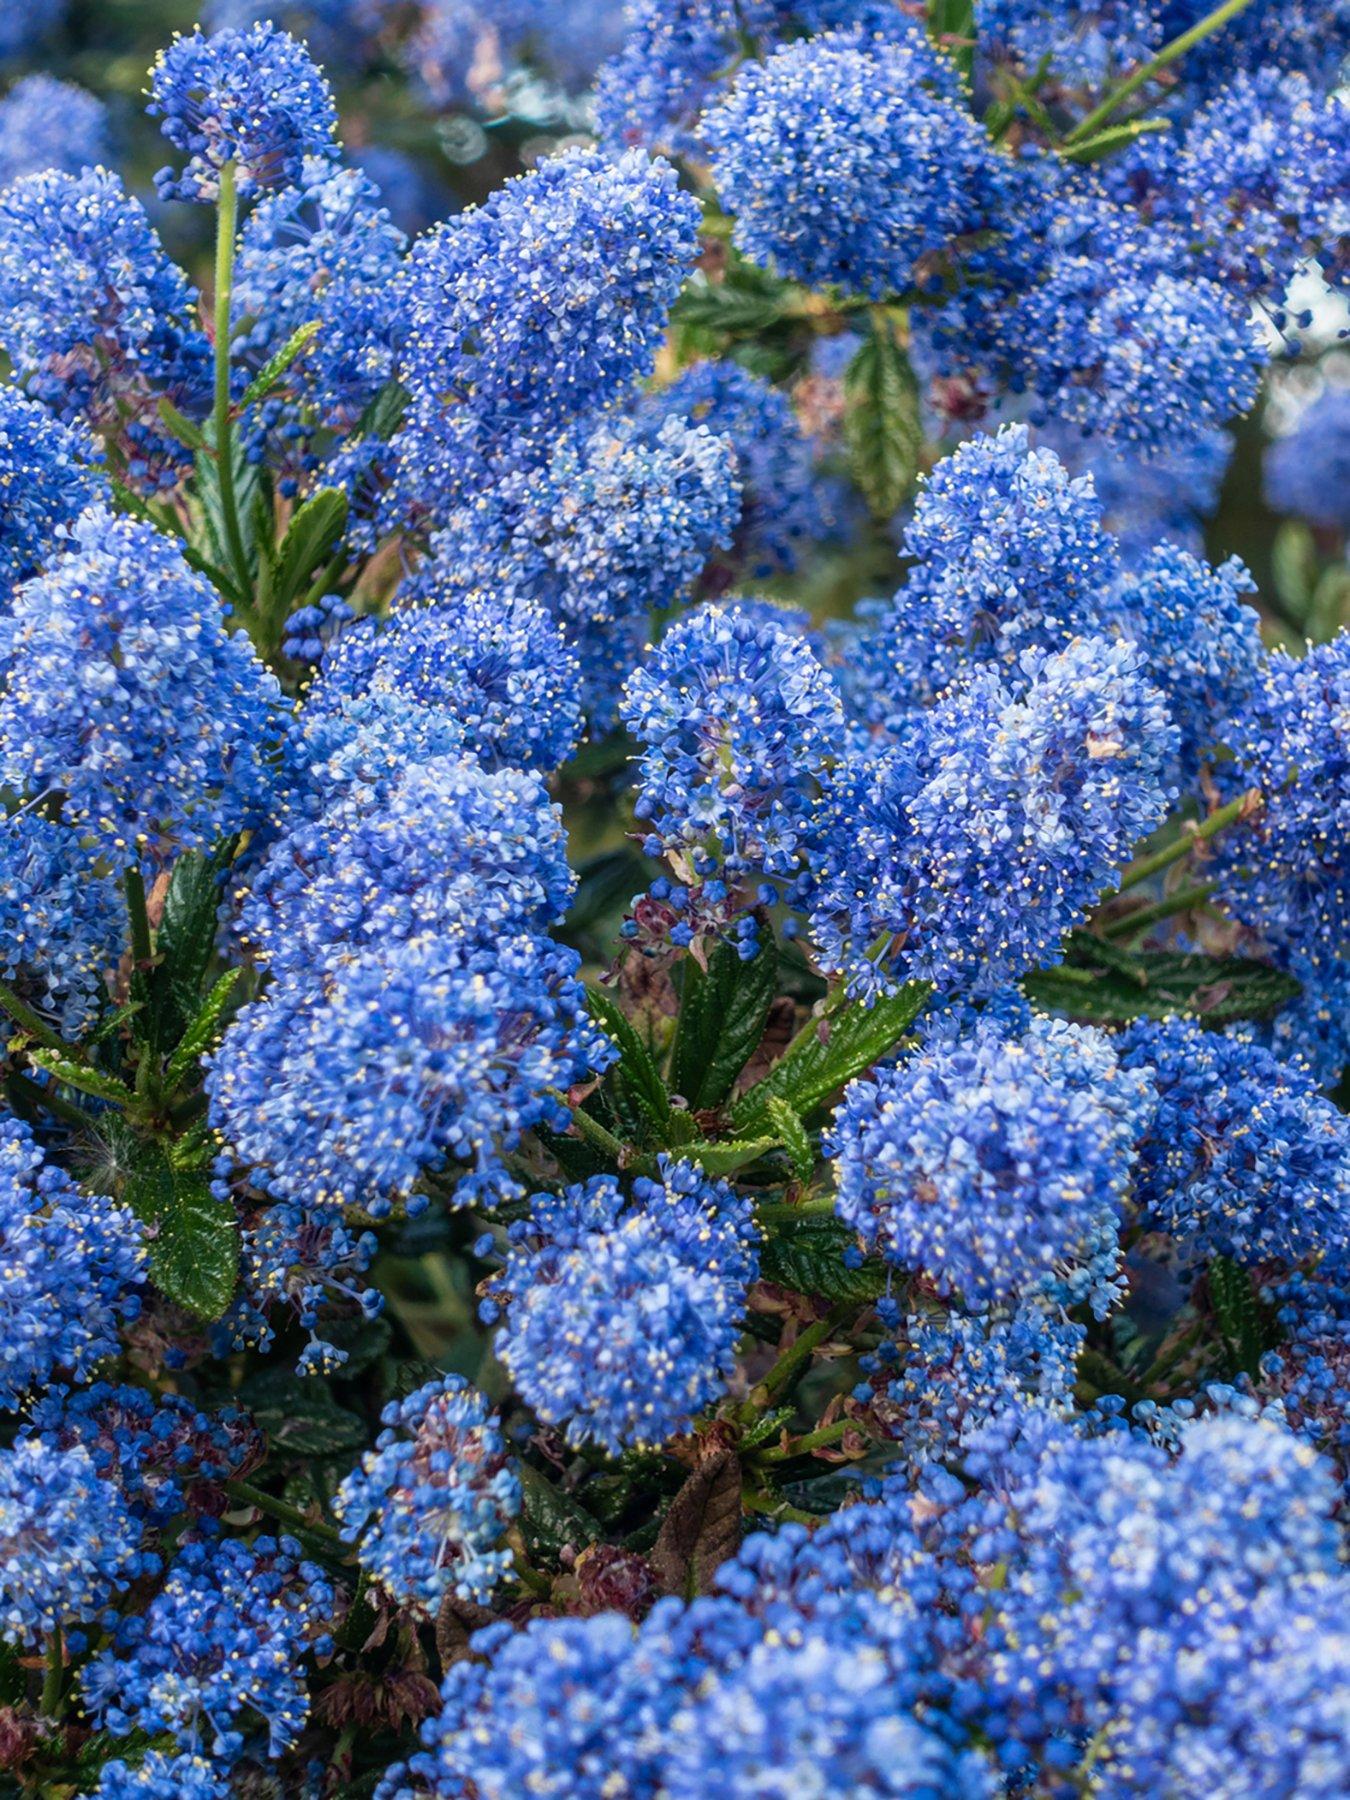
column 674, row 968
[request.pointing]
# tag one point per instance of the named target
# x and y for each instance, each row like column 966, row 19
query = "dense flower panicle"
column 415, row 1058
column 782, row 506
column 158, row 1450
column 1202, row 641
column 452, row 849
column 621, row 1319
column 618, row 524
column 95, row 318
column 162, row 1776
column 1308, row 469
column 532, row 309
column 250, row 98
column 739, row 723
column 341, row 34
column 47, row 478
column 992, row 1165
column 67, row 1541
column 1067, row 49
column 1168, row 494
column 312, row 628
column 321, row 252
column 1255, row 185
column 1009, row 552
column 429, row 1504
column 995, row 796
column 70, row 1268
column 1286, row 871
column 50, row 124
column 841, row 165
column 493, row 668
column 124, row 694
column 1243, row 1157
column 1306, row 36
column 465, row 52
column 222, row 1640
column 21, row 27
column 61, row 924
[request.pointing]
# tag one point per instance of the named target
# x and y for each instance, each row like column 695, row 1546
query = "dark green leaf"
column 882, row 427
column 1246, row 1330
column 300, row 1415
column 952, row 25
column 364, row 1340
column 722, row 1018
column 821, row 1060
column 793, row 1136
column 702, row 1528
column 82, row 1077
column 551, row 1520
column 271, row 373
column 381, row 418
column 634, row 1082
column 725, row 1157
column 1103, row 987
column 202, row 1030
column 186, row 938
column 181, row 426
column 310, row 539
column 728, row 311
column 809, row 1258
column 194, row 1255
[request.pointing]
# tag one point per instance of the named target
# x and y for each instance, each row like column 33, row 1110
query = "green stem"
column 1169, row 54
column 594, row 1132
column 54, row 1680
column 1144, row 867
column 774, row 1212
column 1170, row 904
column 29, row 1022
column 759, row 1500
column 227, row 214
column 804, row 1445
column 795, row 1358
column 133, row 885
column 285, row 1513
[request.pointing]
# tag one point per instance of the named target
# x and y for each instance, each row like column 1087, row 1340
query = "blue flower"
column 621, row 1320
column 50, row 124
column 529, row 311
column 429, row 1504
column 1065, row 48
column 96, row 320
column 1308, row 469
column 420, row 1057
column 67, row 1541
column 224, row 1638
column 62, row 924
column 1243, row 1157
column 161, row 1776
column 251, row 98
column 995, row 1166
column 125, row 695
column 47, row 478
column 842, row 163
column 72, row 1264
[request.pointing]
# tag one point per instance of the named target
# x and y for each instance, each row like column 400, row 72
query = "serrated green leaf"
column 726, row 1158
column 809, row 1259
column 184, row 945
column 300, row 1415
column 1115, row 137
column 184, row 429
column 883, row 431
column 721, row 1021
column 1244, row 1327
column 823, row 1059
column 382, row 417
column 793, row 1136
column 310, row 539
column 552, row 1521
column 1216, row 989
column 271, row 372
column 728, row 311
column 202, row 1030
column 82, row 1077
column 634, row 1082
column 194, row 1238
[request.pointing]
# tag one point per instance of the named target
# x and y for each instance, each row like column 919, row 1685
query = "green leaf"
column 722, row 1018
column 1103, row 985
column 194, row 1246
column 181, row 426
column 882, row 428
column 726, row 1158
column 82, row 1076
column 271, row 372
column 820, row 1060
column 793, row 1136
column 634, row 1082
column 300, row 1415
column 1115, row 137
column 808, row 1257
column 729, row 311
column 551, row 1520
column 310, row 539
column 382, row 417
column 1246, row 1331
column 202, row 1030
column 184, row 946
column 951, row 24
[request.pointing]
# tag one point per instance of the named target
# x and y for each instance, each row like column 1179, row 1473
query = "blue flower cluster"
column 1308, row 469
column 47, row 478
column 430, row 1502
column 50, row 124
column 621, row 1317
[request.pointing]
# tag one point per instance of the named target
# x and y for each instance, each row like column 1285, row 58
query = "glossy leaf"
column 723, row 1012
